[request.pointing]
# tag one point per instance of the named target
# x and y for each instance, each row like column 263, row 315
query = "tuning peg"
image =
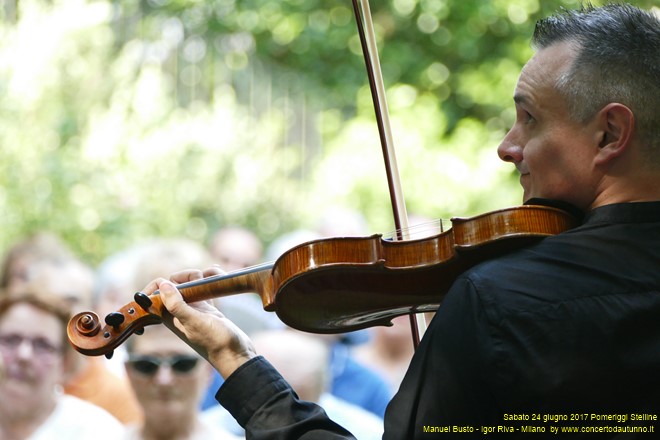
column 114, row 319
column 143, row 300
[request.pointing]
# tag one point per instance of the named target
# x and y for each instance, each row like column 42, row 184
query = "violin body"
column 320, row 292
column 338, row 285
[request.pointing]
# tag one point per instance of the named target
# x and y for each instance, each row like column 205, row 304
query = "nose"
column 509, row 150
column 25, row 349
column 164, row 374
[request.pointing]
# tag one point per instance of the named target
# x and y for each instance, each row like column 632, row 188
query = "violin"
column 342, row 284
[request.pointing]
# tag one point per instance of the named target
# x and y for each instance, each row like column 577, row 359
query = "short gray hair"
column 618, row 60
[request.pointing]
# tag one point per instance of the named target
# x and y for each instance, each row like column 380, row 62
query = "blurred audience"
column 161, row 257
column 24, row 253
column 74, row 283
column 342, row 222
column 36, row 359
column 353, row 381
column 303, row 361
column 66, row 278
column 388, row 351
column 158, row 257
column 115, row 279
column 169, row 379
column 127, row 271
column 43, row 263
column 234, row 248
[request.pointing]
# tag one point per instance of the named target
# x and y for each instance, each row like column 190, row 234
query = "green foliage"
column 125, row 119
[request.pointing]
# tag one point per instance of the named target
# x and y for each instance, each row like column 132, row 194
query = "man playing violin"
column 561, row 334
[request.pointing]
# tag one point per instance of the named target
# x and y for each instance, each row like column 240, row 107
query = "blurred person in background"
column 37, row 358
column 66, row 278
column 388, row 351
column 162, row 256
column 120, row 275
column 73, row 283
column 169, row 379
column 159, row 257
column 24, row 253
column 303, row 361
column 234, row 248
column 115, row 280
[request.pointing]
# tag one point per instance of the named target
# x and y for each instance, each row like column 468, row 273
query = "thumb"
column 173, row 300
column 182, row 320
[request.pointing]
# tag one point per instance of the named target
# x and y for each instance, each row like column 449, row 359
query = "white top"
column 74, row 419
column 207, row 431
column 363, row 424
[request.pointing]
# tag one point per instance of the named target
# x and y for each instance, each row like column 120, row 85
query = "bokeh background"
column 126, row 119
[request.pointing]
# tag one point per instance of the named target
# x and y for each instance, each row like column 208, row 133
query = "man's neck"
column 643, row 188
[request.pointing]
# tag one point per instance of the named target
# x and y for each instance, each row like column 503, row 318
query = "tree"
column 127, row 119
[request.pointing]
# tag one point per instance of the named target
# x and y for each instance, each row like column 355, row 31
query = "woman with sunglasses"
column 169, row 379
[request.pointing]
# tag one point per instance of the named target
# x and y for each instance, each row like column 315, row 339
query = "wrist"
column 227, row 361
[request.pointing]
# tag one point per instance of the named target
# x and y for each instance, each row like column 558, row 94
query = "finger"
column 213, row 270
column 186, row 275
column 179, row 308
column 183, row 321
column 206, row 307
column 176, row 299
column 152, row 286
column 172, row 298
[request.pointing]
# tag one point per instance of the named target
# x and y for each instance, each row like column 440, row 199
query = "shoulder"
column 75, row 418
column 616, row 244
column 73, row 403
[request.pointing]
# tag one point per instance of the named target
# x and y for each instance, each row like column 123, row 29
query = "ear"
column 616, row 124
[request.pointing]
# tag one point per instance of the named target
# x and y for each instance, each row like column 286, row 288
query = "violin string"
column 420, row 230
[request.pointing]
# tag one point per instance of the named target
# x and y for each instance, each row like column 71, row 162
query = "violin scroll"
column 88, row 336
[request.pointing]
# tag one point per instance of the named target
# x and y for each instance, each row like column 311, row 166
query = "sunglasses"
column 149, row 365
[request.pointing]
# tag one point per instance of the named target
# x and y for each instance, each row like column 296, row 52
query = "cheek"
column 141, row 386
column 557, row 172
column 46, row 378
column 548, row 154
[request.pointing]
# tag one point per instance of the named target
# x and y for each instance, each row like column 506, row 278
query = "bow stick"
column 372, row 64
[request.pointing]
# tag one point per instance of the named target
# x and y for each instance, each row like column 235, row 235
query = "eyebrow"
column 520, row 99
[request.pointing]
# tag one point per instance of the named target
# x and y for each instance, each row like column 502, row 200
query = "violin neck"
column 254, row 279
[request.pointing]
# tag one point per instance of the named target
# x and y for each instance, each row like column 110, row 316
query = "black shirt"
column 563, row 334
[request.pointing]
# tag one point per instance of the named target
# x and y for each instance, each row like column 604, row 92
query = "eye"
column 184, row 364
column 523, row 116
column 146, row 366
column 42, row 346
